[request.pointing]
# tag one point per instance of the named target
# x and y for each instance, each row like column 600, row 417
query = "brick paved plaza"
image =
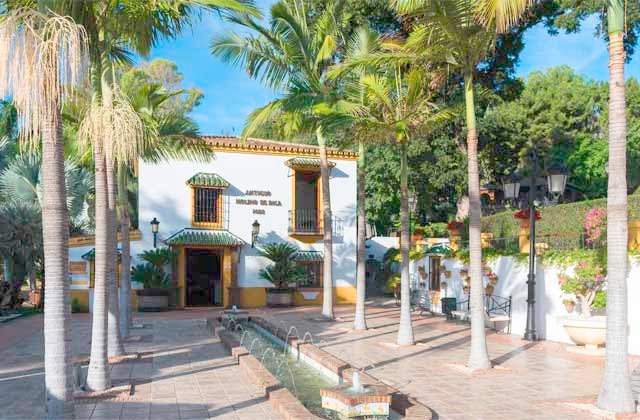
column 185, row 373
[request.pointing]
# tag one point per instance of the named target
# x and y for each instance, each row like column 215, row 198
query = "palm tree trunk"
column 405, row 331
column 57, row 312
column 327, row 272
column 114, row 339
column 125, row 262
column 478, row 355
column 360, row 320
column 98, row 377
column 615, row 393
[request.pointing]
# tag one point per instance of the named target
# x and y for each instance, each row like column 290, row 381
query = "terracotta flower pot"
column 488, row 290
column 447, row 273
column 570, row 306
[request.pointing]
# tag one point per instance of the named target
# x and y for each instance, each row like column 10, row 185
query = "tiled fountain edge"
column 409, row 407
column 285, row 403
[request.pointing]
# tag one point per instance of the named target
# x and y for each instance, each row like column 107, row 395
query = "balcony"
column 307, row 223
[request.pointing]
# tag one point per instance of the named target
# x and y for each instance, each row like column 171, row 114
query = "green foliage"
column 561, row 218
column 158, row 257
column 283, row 269
column 600, row 301
column 150, row 276
column 436, row 230
column 75, row 306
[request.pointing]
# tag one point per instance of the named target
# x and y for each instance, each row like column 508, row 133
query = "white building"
column 206, row 212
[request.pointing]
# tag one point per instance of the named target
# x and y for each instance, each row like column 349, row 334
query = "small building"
column 206, row 212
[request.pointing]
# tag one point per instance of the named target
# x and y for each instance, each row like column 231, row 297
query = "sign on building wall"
column 258, row 203
column 77, row 267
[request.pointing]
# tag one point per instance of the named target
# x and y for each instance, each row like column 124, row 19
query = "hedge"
column 562, row 218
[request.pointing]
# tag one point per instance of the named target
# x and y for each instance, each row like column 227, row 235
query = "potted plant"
column 586, row 284
column 155, row 294
column 455, row 228
column 488, row 289
column 447, row 274
column 283, row 272
column 466, row 289
column 524, row 217
column 569, row 305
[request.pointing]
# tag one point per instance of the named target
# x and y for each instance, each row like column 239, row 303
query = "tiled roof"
column 203, row 179
column 271, row 146
column 91, row 254
column 190, row 236
column 298, row 162
column 440, row 249
column 308, row 256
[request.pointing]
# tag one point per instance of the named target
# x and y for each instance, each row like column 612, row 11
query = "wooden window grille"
column 206, row 205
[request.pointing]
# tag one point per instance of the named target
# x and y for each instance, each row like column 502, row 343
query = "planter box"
column 153, row 300
column 588, row 332
column 278, row 297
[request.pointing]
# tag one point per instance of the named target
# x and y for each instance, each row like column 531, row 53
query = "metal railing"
column 307, row 221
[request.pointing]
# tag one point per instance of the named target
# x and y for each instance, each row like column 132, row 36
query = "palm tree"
column 117, row 134
column 169, row 134
column 34, row 47
column 449, row 31
column 399, row 103
column 292, row 55
column 615, row 393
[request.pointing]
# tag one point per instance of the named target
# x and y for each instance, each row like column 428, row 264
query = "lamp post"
column 556, row 184
column 155, row 225
column 255, row 231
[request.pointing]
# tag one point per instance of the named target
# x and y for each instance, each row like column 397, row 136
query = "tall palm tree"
column 292, row 55
column 34, row 48
column 399, row 104
column 169, row 134
column 615, row 393
column 450, row 31
column 116, row 131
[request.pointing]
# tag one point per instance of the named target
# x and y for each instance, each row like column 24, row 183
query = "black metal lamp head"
column 255, row 231
column 155, row 223
column 557, row 177
column 511, row 187
column 413, row 201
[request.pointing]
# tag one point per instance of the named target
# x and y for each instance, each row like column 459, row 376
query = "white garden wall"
column 512, row 282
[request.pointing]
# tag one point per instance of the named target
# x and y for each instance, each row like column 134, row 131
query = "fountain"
column 357, row 400
column 235, row 314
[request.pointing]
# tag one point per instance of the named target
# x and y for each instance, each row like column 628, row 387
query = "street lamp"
column 556, row 184
column 155, row 224
column 413, row 203
column 255, row 231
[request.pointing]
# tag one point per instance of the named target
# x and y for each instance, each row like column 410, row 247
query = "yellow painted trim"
column 307, row 238
column 219, row 224
column 276, row 149
column 253, row 297
column 182, row 276
column 345, row 294
column 226, row 277
column 88, row 240
column 82, row 297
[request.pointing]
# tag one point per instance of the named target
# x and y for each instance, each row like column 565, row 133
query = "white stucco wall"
column 550, row 310
column 163, row 194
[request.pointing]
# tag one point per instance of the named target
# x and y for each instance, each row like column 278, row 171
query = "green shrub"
column 75, row 306
column 150, row 276
column 435, row 230
column 600, row 302
column 562, row 218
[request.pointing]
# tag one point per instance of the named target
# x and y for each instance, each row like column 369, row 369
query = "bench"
column 496, row 308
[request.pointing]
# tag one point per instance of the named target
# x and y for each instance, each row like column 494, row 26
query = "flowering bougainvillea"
column 588, row 279
column 595, row 224
column 455, row 225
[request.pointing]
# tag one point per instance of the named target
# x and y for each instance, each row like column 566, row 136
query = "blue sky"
column 229, row 95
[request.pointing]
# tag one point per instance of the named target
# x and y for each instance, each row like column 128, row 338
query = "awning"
column 305, row 163
column 440, row 249
column 211, row 180
column 91, row 254
column 308, row 256
column 190, row 236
